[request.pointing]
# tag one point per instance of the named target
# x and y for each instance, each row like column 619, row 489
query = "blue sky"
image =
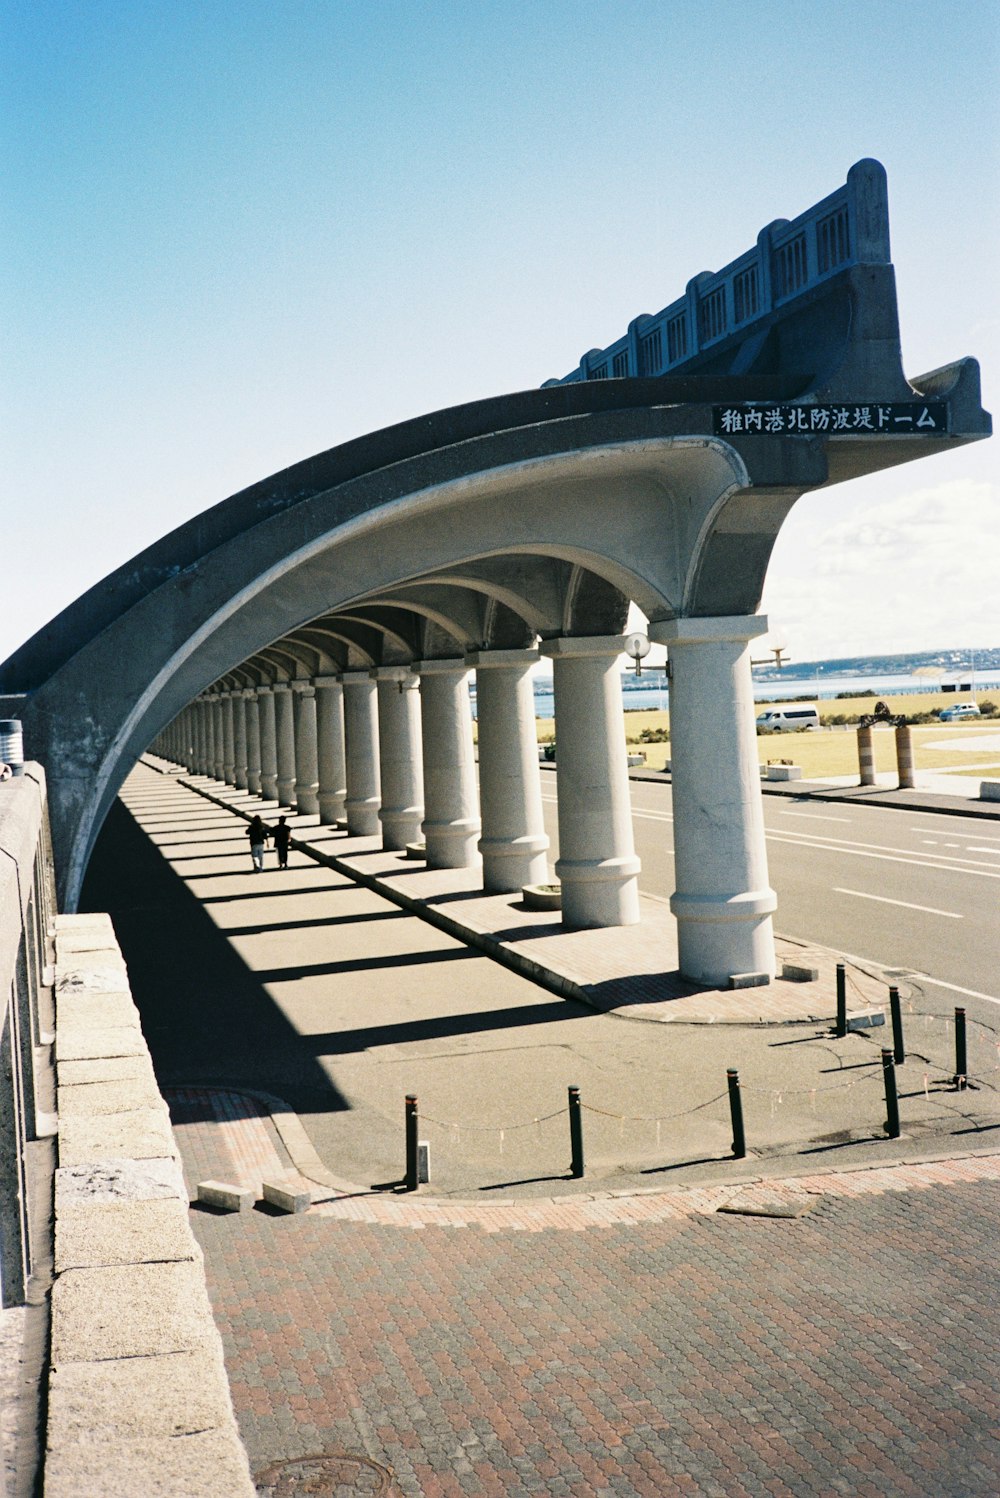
column 238, row 234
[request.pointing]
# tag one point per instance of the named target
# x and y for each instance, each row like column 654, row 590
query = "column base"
column 451, row 845
column 253, row 782
column 362, row 817
column 286, row 792
column 241, row 781
column 331, row 809
column 511, row 863
column 400, row 827
column 306, row 800
column 599, row 892
column 269, row 787
column 718, row 938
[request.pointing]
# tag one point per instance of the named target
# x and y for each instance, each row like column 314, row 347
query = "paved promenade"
column 509, row 1330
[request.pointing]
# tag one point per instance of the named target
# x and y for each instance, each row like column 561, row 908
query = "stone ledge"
column 142, row 1134
column 202, row 1464
column 102, row 1234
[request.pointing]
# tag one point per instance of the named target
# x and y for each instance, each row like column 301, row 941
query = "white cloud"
column 916, row 571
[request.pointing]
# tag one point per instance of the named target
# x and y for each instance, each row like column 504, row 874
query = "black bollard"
column 841, row 1000
column 961, row 1057
column 898, row 1049
column 575, row 1134
column 891, row 1100
column 412, row 1125
column 736, row 1109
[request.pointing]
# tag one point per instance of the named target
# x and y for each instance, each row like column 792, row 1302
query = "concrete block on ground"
column 120, row 1180
column 749, row 980
column 989, row 790
column 92, row 1234
column 782, row 772
column 81, row 1044
column 204, row 1464
column 287, row 1193
column 130, row 1311
column 227, row 1197
column 140, row 1135
column 865, row 1019
column 798, row 972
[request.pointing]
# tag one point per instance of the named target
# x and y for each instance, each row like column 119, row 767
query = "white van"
column 787, row 717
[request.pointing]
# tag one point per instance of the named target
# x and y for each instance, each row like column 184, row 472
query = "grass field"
column 942, row 747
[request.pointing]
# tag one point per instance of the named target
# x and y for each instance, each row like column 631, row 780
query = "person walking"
column 258, row 835
column 282, row 835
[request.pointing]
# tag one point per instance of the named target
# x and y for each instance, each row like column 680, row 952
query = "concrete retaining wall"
column 139, row 1402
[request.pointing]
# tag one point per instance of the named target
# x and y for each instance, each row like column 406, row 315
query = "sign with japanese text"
column 862, row 420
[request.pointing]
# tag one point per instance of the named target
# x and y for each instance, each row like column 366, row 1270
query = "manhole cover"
column 333, row 1474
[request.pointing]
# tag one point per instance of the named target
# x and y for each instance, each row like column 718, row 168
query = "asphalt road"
column 913, row 891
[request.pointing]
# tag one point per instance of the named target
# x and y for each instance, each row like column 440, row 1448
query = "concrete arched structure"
column 486, row 527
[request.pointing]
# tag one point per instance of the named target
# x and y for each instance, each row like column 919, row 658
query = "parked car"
column 790, row 719
column 960, row 710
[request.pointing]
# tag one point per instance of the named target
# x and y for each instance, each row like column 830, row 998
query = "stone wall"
column 139, row 1401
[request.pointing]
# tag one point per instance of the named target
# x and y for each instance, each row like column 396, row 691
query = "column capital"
column 711, row 631
column 304, row 688
column 280, row 686
column 248, row 693
column 326, row 681
column 580, row 647
column 481, row 660
column 401, row 674
column 453, row 665
column 356, row 678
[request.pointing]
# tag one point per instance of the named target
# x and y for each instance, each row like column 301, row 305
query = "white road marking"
column 954, row 833
column 994, row 851
column 906, row 904
column 972, row 993
column 951, row 865
column 816, row 816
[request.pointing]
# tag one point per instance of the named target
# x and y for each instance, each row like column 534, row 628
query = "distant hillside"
column 950, row 662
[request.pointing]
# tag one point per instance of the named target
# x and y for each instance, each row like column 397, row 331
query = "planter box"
column 542, row 897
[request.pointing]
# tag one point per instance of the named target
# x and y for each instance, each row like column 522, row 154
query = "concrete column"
column 451, row 823
column 268, row 745
column 361, row 735
column 597, row 865
column 218, row 770
column 284, row 733
column 197, row 735
column 191, row 717
column 306, row 767
column 252, row 706
column 332, row 768
column 513, row 843
column 400, row 764
column 240, row 740
column 228, row 740
column 203, row 745
column 723, row 901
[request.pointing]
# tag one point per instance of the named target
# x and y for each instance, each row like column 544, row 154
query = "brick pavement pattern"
column 660, row 1348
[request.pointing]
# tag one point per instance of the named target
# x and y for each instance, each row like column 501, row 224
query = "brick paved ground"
column 656, row 1351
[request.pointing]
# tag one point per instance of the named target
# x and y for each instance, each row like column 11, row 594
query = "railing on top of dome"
column 790, row 259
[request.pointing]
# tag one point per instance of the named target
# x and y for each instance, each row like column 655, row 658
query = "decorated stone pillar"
column 513, row 842
column 240, row 740
column 331, row 763
column 723, row 901
column 451, row 823
column 361, row 735
column 268, row 745
column 306, row 768
column 400, row 765
column 252, row 707
column 597, row 867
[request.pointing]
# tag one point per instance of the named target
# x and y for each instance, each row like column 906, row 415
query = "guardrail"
column 789, row 260
column 26, row 914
